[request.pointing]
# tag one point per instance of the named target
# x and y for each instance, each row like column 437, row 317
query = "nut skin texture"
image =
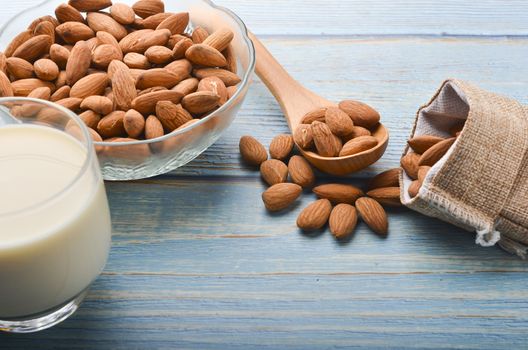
column 303, row 136
column 388, row 178
column 343, row 221
column 358, row 145
column 409, row 163
column 389, row 196
column 315, row 215
column 301, row 172
column 281, row 146
column 338, row 193
column 326, row 143
column 252, row 151
column 273, row 171
column 360, row 113
column 436, row 152
column 280, row 196
column 339, row 122
column 373, row 214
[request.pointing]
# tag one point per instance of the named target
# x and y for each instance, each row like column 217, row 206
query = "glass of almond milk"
column 54, row 219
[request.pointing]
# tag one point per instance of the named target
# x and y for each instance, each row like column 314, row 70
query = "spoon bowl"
column 295, row 101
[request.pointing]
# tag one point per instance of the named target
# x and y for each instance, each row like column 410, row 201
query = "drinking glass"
column 55, row 228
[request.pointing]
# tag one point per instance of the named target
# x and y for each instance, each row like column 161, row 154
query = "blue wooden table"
column 197, row 263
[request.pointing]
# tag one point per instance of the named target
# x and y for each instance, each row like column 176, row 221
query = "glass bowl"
column 141, row 159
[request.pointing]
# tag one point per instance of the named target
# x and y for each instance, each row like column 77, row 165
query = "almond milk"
column 54, row 220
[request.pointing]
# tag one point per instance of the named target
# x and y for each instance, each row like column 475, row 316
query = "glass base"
column 41, row 321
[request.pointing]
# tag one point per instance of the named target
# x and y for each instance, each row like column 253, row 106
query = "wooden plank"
column 396, row 76
column 364, row 17
column 295, row 312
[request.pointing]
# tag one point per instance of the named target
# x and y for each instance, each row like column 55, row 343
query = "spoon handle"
column 294, row 100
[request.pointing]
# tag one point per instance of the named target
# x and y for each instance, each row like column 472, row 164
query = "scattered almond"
column 252, row 151
column 343, row 220
column 315, row 215
column 281, row 146
column 280, row 196
column 389, row 178
column 273, row 171
column 386, row 195
column 301, row 172
column 373, row 215
column 338, row 193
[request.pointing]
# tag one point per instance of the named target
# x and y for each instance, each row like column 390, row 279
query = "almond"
column 136, row 60
column 159, row 54
column 171, row 115
column 98, row 104
column 100, row 21
column 71, row 32
column 109, row 39
column 34, row 48
column 93, row 84
column 357, row 132
column 389, row 178
column 134, row 123
column 177, row 23
column 71, row 103
column 174, row 39
column 342, row 221
column 409, row 163
column 281, row 146
column 252, row 151
column 153, row 128
column 78, row 62
column 200, row 102
column 90, row 5
column 231, row 91
column 358, row 145
column 226, row 76
column 112, row 125
column 386, row 195
column 219, row 39
column 338, row 193
column 422, row 172
column 303, row 136
column 23, row 87
column 45, row 28
column 182, row 68
column 114, row 66
column 90, row 118
column 19, row 68
column 230, row 56
column 146, row 103
column 422, row 143
column 414, row 188
column 360, row 113
column 3, row 62
column 61, row 80
column 104, row 54
column 42, row 93
column 436, row 152
column 59, row 54
column 338, row 121
column 122, row 13
column 157, row 77
column 6, row 90
column 315, row 115
column 187, row 86
column 324, row 140
column 123, row 86
column 34, row 24
column 204, row 55
column 280, row 196
column 152, row 22
column 199, row 35
column 139, row 41
column 373, row 215
column 60, row 93
column 214, row 84
column 46, row 69
column 92, row 43
column 315, row 215
column 68, row 13
column 273, row 171
column 146, row 8
column 152, row 89
column 301, row 172
column 17, row 41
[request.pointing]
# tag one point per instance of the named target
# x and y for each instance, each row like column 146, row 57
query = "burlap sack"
column 481, row 184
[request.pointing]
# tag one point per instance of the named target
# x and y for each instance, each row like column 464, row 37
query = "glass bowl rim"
column 90, row 153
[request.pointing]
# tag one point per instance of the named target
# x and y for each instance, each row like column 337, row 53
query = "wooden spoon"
column 295, row 101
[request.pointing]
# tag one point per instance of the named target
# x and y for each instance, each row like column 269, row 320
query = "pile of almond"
column 338, row 131
column 130, row 72
column 339, row 205
column 427, row 150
